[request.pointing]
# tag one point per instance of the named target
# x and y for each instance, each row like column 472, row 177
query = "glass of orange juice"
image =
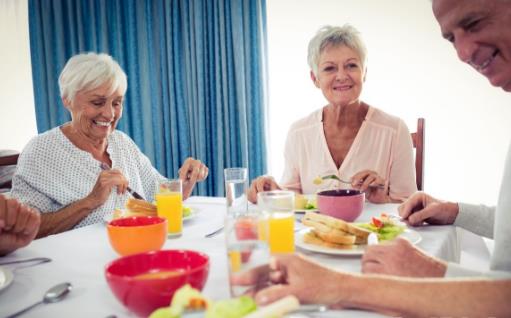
column 279, row 205
column 169, row 204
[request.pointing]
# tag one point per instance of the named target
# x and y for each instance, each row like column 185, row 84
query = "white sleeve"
column 478, row 219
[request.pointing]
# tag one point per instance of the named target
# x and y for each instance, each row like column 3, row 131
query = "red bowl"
column 147, row 281
column 344, row 204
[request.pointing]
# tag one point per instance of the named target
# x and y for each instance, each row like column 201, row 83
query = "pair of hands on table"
column 367, row 181
column 399, row 257
column 292, row 274
column 191, row 172
column 19, row 225
column 313, row 283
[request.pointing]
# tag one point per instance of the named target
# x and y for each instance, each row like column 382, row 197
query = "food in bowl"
column 143, row 296
column 137, row 234
column 344, row 204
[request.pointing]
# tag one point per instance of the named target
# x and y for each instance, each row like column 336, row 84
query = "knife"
column 104, row 166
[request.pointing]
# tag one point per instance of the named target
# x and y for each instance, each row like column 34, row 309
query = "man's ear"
column 314, row 79
column 66, row 102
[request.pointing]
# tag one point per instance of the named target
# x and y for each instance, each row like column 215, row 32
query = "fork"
column 334, row 177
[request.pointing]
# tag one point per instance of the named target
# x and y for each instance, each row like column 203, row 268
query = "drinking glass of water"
column 247, row 247
column 236, row 185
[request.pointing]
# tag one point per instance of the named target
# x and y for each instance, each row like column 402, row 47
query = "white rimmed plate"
column 193, row 213
column 410, row 235
column 6, row 278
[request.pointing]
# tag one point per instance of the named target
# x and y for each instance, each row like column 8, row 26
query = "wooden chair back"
column 418, row 138
column 8, row 160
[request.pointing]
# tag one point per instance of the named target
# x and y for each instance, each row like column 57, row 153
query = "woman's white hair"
column 88, row 71
column 334, row 36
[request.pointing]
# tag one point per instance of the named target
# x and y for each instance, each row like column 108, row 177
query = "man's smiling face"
column 480, row 31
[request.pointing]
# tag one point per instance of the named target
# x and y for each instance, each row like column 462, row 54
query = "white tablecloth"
column 80, row 256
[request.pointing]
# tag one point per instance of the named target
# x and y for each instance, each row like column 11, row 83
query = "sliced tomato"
column 377, row 222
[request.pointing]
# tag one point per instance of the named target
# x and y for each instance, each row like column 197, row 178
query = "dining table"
column 80, row 256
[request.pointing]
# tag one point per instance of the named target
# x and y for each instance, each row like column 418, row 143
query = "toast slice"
column 324, row 223
column 311, row 238
column 140, row 207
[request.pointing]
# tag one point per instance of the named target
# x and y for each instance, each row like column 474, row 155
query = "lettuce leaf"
column 386, row 233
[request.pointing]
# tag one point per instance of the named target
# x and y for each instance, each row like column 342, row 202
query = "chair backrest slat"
column 418, row 138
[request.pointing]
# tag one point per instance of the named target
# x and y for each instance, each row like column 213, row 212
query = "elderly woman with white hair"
column 347, row 137
column 62, row 171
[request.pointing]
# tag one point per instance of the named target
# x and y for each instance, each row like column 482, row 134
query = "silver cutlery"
column 215, row 232
column 104, row 166
column 36, row 260
column 53, row 295
column 334, row 177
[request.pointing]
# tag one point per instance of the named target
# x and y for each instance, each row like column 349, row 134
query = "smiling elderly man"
column 480, row 31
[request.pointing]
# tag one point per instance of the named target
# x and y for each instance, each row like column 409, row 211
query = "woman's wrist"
column 88, row 203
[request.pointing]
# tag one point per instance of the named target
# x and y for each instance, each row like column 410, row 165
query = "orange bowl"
column 137, row 234
column 147, row 281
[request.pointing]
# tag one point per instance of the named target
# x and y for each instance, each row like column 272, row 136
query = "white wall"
column 17, row 114
column 412, row 72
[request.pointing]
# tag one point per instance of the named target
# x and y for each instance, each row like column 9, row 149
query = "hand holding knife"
column 105, row 166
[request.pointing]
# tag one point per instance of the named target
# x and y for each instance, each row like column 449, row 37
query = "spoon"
column 53, row 295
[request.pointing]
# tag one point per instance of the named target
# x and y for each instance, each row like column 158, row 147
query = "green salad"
column 186, row 211
column 384, row 227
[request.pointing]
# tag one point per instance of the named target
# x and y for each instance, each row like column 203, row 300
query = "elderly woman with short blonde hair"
column 76, row 173
column 358, row 143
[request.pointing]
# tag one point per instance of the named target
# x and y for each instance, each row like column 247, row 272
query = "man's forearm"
column 429, row 297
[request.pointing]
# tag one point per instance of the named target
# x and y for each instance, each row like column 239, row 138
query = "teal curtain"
column 196, row 75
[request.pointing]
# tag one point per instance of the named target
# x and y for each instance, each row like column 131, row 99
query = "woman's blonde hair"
column 333, row 36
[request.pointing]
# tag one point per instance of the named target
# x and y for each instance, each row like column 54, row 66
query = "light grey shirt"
column 491, row 222
column 52, row 173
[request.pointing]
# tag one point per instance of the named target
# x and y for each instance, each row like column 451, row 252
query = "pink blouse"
column 383, row 144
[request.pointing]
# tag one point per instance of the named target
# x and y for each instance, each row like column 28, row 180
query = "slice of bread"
column 324, row 224
column 140, row 207
column 336, row 236
column 311, row 238
column 327, row 220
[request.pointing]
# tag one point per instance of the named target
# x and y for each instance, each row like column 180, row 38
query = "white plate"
column 6, row 278
column 410, row 235
column 193, row 213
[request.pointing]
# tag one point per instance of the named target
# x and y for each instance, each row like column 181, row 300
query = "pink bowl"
column 173, row 268
column 344, row 204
